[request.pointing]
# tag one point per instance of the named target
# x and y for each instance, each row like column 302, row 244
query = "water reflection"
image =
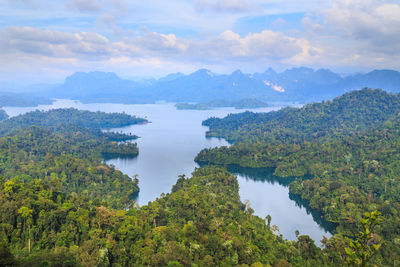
column 260, row 174
column 317, row 216
column 269, row 194
column 110, row 156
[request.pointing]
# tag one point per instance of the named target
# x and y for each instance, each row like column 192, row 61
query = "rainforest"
column 191, row 133
column 63, row 205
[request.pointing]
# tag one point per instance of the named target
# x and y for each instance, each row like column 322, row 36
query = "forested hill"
column 69, row 161
column 351, row 149
column 22, row 100
column 68, row 144
column 345, row 115
column 61, row 206
column 73, row 131
column 52, row 179
column 200, row 223
column 56, row 118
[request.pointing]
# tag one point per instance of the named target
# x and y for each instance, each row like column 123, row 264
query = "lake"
column 168, row 146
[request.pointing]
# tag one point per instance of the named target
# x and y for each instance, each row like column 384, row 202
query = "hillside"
column 59, row 118
column 201, row 222
column 75, row 132
column 349, row 146
column 345, row 115
column 61, row 205
column 3, row 115
column 23, row 100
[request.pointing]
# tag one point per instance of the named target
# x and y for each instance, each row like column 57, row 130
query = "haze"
column 43, row 41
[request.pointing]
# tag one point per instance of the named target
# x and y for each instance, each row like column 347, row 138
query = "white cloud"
column 266, row 45
column 235, row 6
column 56, row 44
column 374, row 25
column 355, row 34
column 39, row 49
column 84, row 5
column 337, row 34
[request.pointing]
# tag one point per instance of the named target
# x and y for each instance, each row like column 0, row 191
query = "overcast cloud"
column 42, row 40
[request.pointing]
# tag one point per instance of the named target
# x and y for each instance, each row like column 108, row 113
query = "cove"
column 269, row 194
column 167, row 148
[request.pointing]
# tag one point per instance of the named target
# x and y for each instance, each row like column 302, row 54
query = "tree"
column 26, row 214
column 362, row 249
column 6, row 257
column 268, row 218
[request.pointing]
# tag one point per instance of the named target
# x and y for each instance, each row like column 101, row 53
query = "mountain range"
column 296, row 84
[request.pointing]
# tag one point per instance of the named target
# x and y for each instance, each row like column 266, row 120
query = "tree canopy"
column 349, row 146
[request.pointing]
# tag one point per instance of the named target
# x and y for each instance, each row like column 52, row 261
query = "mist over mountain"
column 296, row 84
column 22, row 100
column 96, row 87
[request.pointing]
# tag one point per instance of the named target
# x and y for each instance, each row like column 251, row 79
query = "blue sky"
column 45, row 41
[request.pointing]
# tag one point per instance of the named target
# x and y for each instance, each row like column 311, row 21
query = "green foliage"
column 68, row 158
column 79, row 211
column 51, row 184
column 361, row 250
column 65, row 162
column 60, row 205
column 6, row 257
column 68, row 117
column 350, row 148
column 70, row 131
column 344, row 116
column 3, row 115
column 201, row 223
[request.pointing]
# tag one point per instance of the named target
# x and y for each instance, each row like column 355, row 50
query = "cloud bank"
column 159, row 37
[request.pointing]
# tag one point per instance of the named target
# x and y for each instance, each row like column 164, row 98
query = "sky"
column 43, row 41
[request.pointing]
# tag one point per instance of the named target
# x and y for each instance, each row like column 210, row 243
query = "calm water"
column 269, row 194
column 167, row 147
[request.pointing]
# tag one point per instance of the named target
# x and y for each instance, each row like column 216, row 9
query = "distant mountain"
column 219, row 103
column 295, row 84
column 171, row 77
column 97, row 87
column 23, row 100
column 204, row 85
column 302, row 84
column 388, row 80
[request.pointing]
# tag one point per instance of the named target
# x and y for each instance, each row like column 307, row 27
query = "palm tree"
column 26, row 214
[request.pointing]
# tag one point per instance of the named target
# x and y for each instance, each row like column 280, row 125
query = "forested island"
column 349, row 145
column 51, row 171
column 23, row 100
column 219, row 103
